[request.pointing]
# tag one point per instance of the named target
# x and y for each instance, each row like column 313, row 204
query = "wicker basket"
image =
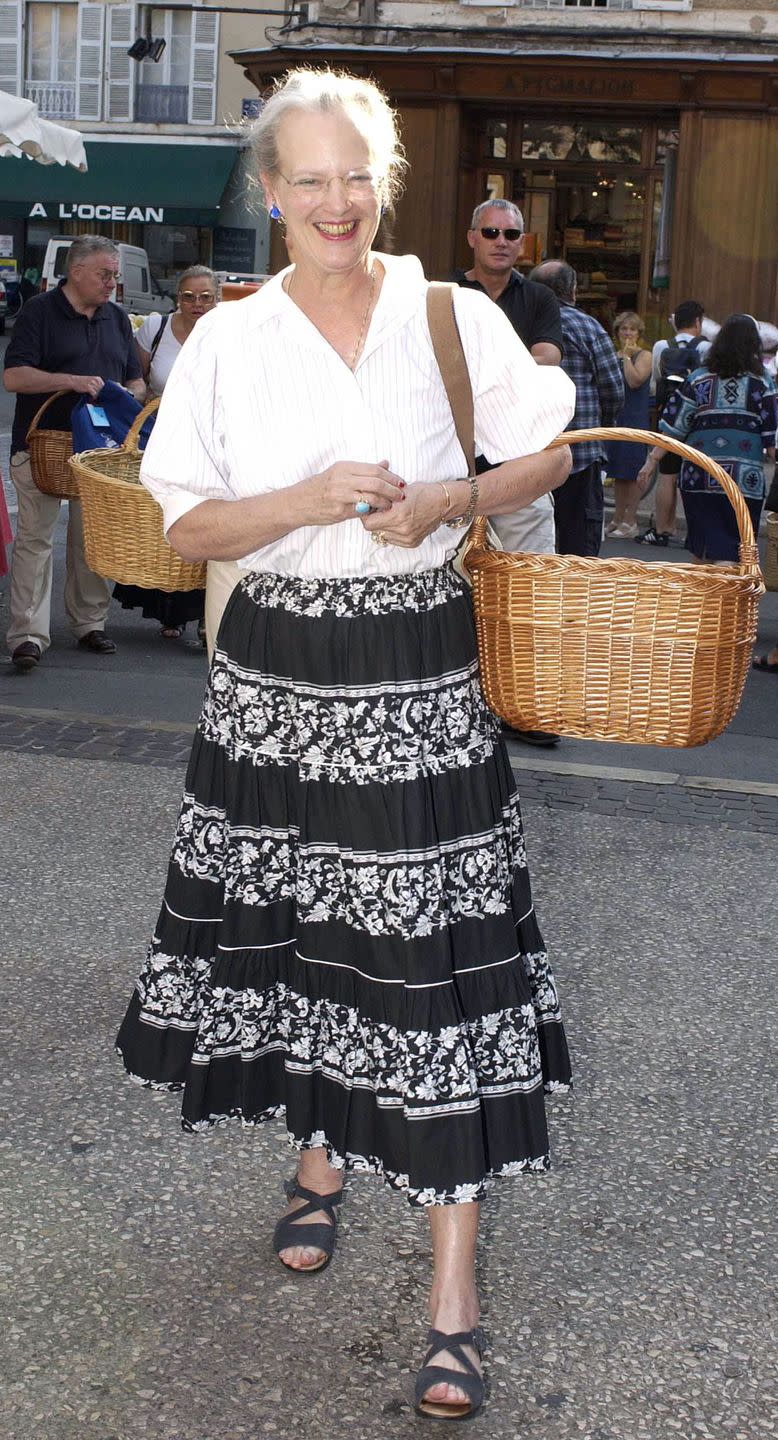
column 123, row 535
column 771, row 553
column 50, row 451
column 652, row 653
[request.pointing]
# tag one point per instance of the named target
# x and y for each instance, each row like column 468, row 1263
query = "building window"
column 50, row 82
column 584, row 4
column 162, row 95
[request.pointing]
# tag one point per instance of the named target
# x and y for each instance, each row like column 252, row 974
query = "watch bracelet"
column 459, row 522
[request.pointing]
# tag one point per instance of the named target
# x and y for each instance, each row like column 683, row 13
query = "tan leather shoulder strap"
column 447, row 344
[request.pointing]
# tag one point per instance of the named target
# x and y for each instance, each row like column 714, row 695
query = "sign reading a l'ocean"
column 145, row 215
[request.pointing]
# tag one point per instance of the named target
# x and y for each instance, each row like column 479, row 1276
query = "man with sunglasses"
column 495, row 236
column 71, row 339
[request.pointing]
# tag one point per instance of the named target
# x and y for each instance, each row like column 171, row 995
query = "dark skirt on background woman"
column 347, row 936
column 174, row 608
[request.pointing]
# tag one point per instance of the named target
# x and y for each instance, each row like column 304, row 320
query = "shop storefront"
column 168, row 198
column 657, row 178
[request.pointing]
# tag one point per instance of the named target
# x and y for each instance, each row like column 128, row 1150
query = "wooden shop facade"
column 656, row 177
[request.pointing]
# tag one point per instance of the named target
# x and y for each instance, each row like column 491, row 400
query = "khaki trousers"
column 87, row 596
column 530, row 529
column 223, row 576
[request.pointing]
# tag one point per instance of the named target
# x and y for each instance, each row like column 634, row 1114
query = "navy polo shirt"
column 50, row 335
column 532, row 309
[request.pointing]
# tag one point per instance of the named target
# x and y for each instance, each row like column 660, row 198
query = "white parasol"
column 23, row 132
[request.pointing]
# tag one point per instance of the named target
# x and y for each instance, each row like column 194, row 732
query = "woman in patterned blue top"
column 728, row 409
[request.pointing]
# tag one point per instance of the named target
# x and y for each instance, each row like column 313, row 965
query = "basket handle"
column 133, row 434
column 749, row 554
column 55, row 395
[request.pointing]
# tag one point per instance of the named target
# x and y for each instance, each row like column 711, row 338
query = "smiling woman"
column 347, row 937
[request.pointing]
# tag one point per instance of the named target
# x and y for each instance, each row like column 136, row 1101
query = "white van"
column 136, row 291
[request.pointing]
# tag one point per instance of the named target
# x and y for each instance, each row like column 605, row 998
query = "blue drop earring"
column 275, row 213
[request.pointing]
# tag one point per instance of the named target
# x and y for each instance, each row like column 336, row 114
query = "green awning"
column 153, row 184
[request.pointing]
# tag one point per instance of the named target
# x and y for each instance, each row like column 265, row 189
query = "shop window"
column 497, row 139
column 495, row 187
column 666, row 139
column 593, row 141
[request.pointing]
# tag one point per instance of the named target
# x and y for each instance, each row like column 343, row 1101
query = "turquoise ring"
column 362, row 507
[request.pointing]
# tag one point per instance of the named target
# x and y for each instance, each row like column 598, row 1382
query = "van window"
column 60, row 261
column 136, row 279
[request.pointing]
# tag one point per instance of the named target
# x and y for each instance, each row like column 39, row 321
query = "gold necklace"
column 355, row 356
column 355, row 353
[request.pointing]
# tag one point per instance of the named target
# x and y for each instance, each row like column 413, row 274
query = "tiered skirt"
column 347, row 935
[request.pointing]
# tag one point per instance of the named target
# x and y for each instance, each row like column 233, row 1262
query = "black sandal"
column 467, row 1379
column 289, row 1233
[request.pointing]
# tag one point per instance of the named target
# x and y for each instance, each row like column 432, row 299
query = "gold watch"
column 460, row 521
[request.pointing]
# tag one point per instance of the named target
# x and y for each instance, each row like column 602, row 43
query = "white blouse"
column 166, row 353
column 259, row 400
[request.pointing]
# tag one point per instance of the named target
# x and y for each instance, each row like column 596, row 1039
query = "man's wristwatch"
column 460, row 521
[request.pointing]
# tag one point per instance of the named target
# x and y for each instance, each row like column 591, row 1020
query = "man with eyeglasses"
column 495, row 236
column 71, row 339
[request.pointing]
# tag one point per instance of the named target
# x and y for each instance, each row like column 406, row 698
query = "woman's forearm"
column 230, row 529
column 514, row 484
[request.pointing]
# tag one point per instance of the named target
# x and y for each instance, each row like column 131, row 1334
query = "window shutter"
column 203, row 68
column 89, row 75
column 120, row 80
column 11, row 46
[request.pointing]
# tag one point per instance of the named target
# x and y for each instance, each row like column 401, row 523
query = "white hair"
column 326, row 91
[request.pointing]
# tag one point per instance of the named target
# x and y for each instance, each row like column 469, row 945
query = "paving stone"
column 628, row 1295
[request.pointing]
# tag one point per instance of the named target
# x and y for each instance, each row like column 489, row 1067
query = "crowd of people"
column 716, row 391
column 347, row 937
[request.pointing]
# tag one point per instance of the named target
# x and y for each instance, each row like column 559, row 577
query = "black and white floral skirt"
column 347, row 935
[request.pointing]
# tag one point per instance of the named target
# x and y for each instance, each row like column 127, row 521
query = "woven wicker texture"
column 652, row 653
column 50, row 451
column 123, row 535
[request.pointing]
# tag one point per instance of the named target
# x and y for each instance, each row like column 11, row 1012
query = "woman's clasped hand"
column 411, row 518
column 335, row 492
column 401, row 514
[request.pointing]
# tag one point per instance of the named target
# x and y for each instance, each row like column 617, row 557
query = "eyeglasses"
column 490, row 232
column 315, row 187
column 107, row 277
column 206, row 297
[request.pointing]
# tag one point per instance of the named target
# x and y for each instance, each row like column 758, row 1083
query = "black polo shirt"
column 50, row 335
column 532, row 309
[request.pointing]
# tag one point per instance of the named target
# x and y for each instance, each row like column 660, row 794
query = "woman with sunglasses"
column 347, row 937
column 160, row 340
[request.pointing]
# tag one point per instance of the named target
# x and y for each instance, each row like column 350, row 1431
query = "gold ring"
column 380, row 538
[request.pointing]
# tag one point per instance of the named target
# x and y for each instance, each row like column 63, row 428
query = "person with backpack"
column 159, row 341
column 673, row 362
column 727, row 409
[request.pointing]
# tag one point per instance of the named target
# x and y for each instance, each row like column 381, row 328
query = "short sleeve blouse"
column 259, row 401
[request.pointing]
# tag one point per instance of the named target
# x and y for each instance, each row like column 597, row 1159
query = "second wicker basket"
column 123, row 535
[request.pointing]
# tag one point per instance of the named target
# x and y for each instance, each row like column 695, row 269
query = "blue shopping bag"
column 103, row 423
